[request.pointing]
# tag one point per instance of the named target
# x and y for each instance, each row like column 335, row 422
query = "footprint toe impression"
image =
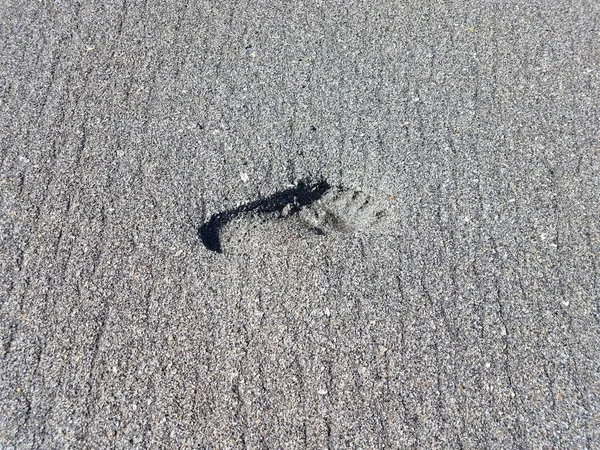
column 307, row 209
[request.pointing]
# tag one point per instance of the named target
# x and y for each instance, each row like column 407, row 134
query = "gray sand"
column 469, row 319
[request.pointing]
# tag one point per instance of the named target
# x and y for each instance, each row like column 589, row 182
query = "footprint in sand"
column 306, row 209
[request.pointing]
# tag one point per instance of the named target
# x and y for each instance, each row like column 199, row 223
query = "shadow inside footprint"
column 288, row 202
